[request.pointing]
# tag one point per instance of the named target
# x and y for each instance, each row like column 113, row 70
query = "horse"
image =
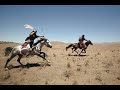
column 23, row 52
column 75, row 46
column 7, row 51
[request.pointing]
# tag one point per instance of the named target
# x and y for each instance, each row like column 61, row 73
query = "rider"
column 30, row 39
column 81, row 41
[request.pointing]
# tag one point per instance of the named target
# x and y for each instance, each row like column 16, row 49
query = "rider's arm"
column 86, row 40
column 79, row 38
column 27, row 38
column 36, row 36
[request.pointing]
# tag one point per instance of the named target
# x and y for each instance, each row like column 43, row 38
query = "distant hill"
column 1, row 42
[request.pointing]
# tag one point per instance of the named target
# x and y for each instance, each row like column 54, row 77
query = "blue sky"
column 66, row 23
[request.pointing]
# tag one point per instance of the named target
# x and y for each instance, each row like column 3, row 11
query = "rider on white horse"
column 30, row 40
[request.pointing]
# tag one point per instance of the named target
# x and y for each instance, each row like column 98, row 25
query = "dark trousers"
column 31, row 43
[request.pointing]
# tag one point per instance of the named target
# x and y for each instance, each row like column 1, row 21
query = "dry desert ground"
column 100, row 65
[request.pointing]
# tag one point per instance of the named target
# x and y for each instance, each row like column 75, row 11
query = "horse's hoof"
column 48, row 64
column 69, row 55
column 6, row 69
column 44, row 58
column 48, row 61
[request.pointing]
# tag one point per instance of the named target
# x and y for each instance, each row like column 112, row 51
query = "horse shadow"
column 28, row 65
column 78, row 55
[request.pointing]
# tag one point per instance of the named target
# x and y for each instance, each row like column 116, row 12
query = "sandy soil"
column 99, row 66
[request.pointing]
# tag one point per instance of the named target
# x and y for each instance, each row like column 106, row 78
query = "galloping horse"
column 21, row 52
column 75, row 46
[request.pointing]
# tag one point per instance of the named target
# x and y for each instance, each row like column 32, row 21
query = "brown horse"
column 75, row 46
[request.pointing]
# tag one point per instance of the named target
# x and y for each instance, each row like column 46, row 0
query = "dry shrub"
column 67, row 74
column 78, row 69
column 98, row 78
column 6, row 75
column 91, row 57
column 107, row 71
column 54, row 55
column 118, row 60
column 98, row 53
column 118, row 78
column 69, row 55
column 68, row 65
column 46, row 82
column 107, row 64
column 86, row 64
column 75, row 83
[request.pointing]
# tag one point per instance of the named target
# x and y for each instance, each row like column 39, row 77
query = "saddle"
column 80, row 45
column 25, row 49
column 24, row 45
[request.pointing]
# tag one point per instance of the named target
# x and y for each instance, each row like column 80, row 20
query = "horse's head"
column 90, row 42
column 46, row 42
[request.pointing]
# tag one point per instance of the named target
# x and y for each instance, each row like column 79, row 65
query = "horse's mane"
column 87, row 41
column 40, row 37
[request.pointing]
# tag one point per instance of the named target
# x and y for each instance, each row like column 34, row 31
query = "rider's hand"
column 27, row 41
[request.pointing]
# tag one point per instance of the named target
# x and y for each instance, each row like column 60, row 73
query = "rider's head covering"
column 83, row 35
column 33, row 32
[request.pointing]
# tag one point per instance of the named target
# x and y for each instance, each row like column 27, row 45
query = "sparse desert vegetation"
column 100, row 65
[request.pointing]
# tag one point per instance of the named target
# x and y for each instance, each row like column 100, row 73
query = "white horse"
column 22, row 52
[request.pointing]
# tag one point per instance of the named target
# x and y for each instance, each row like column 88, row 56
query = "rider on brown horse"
column 81, row 41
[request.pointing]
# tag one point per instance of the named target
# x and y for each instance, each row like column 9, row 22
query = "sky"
column 65, row 23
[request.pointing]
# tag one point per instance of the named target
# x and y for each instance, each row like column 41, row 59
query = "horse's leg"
column 19, row 58
column 9, row 59
column 66, row 48
column 44, row 55
column 76, row 51
column 39, row 54
column 85, row 50
column 81, row 51
column 69, row 46
column 72, row 50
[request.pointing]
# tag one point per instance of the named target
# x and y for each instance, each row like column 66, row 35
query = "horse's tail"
column 69, row 46
column 8, row 51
